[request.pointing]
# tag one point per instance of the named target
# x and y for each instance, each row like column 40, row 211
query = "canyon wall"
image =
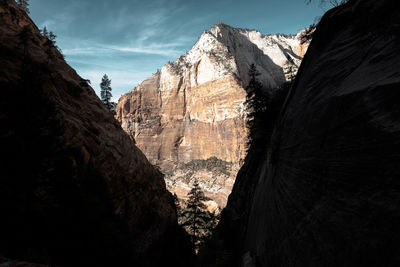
column 325, row 190
column 74, row 189
column 193, row 108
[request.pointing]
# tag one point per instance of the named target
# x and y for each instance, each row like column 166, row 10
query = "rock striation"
column 193, row 108
column 325, row 192
column 74, row 189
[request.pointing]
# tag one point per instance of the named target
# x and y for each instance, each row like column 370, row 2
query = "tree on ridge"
column 334, row 3
column 105, row 91
column 51, row 37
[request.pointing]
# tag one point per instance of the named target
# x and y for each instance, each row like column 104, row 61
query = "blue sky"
column 130, row 40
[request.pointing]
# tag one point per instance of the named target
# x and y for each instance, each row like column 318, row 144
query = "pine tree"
column 256, row 97
column 196, row 219
column 105, row 91
column 257, row 100
column 51, row 37
column 45, row 32
column 24, row 5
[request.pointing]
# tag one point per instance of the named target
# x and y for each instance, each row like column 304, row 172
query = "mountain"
column 74, row 189
column 189, row 118
column 326, row 190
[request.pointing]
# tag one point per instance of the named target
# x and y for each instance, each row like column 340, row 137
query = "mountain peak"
column 233, row 50
column 204, row 91
column 221, row 25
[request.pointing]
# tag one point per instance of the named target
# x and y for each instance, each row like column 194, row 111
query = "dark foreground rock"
column 74, row 189
column 326, row 190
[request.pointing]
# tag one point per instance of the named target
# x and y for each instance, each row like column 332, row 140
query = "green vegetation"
column 198, row 222
column 105, row 91
column 263, row 110
column 256, row 104
column 50, row 42
column 50, row 36
column 193, row 215
column 212, row 164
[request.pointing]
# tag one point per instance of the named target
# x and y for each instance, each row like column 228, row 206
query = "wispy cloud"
column 161, row 50
column 88, row 51
column 157, row 17
column 129, row 40
column 151, row 50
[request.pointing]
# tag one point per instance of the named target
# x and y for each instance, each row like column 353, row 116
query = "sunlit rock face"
column 326, row 190
column 74, row 189
column 193, row 109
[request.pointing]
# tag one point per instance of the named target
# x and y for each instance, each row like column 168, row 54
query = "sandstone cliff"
column 326, row 190
column 193, row 108
column 74, row 189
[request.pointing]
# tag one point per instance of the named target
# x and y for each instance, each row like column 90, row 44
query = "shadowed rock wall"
column 74, row 189
column 326, row 190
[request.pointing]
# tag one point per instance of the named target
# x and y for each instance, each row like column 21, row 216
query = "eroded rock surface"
column 193, row 109
column 74, row 189
column 326, row 191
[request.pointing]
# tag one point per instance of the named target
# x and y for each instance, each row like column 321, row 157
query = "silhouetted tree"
column 105, row 91
column 256, row 96
column 196, row 219
column 256, row 103
column 24, row 5
column 51, row 37
column 44, row 31
column 333, row 3
column 50, row 42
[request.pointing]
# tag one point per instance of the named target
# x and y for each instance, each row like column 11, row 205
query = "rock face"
column 74, row 189
column 193, row 109
column 326, row 192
